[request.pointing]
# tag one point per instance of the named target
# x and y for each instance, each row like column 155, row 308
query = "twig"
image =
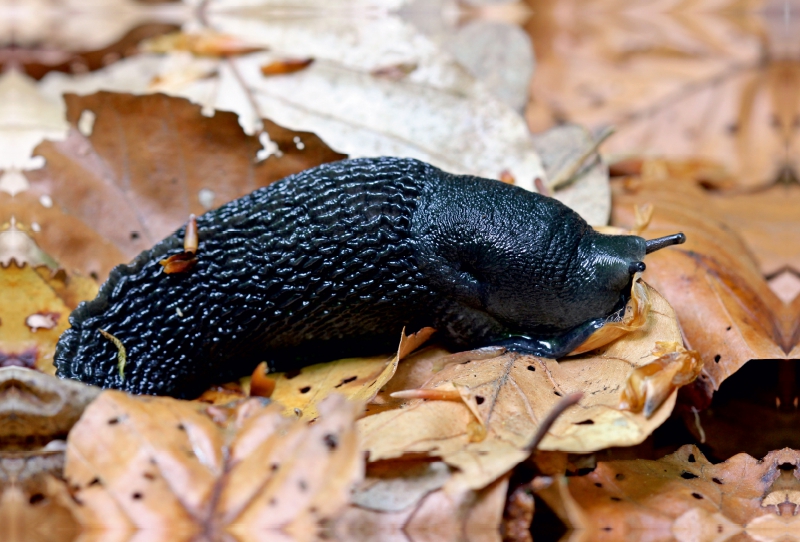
column 552, row 416
column 565, row 175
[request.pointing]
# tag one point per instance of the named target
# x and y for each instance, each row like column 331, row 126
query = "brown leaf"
column 726, row 309
column 67, row 58
column 685, row 80
column 288, row 65
column 160, row 464
column 34, row 311
column 136, row 178
column 683, row 495
column 504, row 399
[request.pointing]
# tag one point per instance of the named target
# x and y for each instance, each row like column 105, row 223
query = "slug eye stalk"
column 662, row 242
column 636, row 267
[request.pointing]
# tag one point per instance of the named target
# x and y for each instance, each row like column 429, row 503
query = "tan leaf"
column 727, row 311
column 684, row 78
column 683, row 496
column 469, row 516
column 358, row 379
column 649, row 386
column 160, row 464
column 504, row 399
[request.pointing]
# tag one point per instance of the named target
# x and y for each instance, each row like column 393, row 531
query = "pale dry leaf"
column 469, row 516
column 161, row 465
column 449, row 118
column 683, row 495
column 504, row 399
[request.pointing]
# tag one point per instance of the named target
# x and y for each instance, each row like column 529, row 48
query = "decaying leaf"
column 649, row 386
column 683, row 496
column 726, row 309
column 503, row 399
column 358, row 379
column 36, row 408
column 104, row 197
column 34, row 311
column 161, row 465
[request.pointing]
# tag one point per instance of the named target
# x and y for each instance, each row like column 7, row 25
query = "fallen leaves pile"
column 111, row 143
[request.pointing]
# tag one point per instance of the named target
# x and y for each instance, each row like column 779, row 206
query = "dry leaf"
column 504, row 399
column 633, row 318
column 468, row 516
column 135, row 179
column 649, row 386
column 159, row 464
column 450, row 119
column 36, row 304
column 683, row 496
column 36, row 408
column 676, row 78
column 358, row 379
column 726, row 309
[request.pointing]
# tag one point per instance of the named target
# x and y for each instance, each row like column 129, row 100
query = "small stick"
column 552, row 416
column 565, row 175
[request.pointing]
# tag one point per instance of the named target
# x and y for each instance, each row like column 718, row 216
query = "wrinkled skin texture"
column 334, row 262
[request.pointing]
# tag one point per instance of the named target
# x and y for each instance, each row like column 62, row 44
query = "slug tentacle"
column 333, row 262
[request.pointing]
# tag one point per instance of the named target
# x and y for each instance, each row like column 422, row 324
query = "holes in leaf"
column 137, row 496
column 691, row 458
column 717, row 358
column 345, row 381
column 305, row 389
column 616, row 499
column 37, row 498
column 479, row 399
column 531, row 368
column 686, row 475
column 288, row 375
column 716, row 481
column 697, row 496
column 619, row 476
column 585, row 422
column 331, row 441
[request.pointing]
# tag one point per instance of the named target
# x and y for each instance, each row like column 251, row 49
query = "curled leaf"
column 633, row 318
column 649, row 386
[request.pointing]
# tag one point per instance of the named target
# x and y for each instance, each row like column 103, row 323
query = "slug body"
column 334, row 262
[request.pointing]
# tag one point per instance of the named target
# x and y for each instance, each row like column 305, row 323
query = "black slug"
column 334, row 262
